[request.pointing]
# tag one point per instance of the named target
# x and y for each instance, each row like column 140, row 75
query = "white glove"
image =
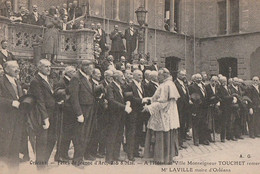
column 146, row 99
column 190, row 102
column 218, row 103
column 246, row 102
column 16, row 104
column 128, row 109
column 60, row 102
column 251, row 111
column 46, row 123
column 234, row 100
column 80, row 118
column 128, row 103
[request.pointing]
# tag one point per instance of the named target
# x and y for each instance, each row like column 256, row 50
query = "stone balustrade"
column 73, row 45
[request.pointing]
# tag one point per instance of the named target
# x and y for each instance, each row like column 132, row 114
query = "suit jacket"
column 103, row 40
column 136, row 101
column 150, row 89
column 117, row 41
column 195, row 89
column 183, row 101
column 33, row 21
column 116, row 103
column 119, row 64
column 3, row 58
column 81, row 94
column 7, row 13
column 143, row 70
column 45, row 99
column 225, row 98
column 212, row 97
column 11, row 119
column 152, row 68
column 131, row 39
column 254, row 95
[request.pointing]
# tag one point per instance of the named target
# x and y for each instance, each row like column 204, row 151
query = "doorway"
column 172, row 64
column 228, row 67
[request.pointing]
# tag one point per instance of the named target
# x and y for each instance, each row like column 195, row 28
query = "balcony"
column 73, row 45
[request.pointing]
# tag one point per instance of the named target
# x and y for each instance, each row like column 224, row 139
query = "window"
column 222, row 17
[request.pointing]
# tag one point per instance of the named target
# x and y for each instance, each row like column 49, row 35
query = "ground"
column 237, row 157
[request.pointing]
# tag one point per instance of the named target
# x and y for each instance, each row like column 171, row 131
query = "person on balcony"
column 117, row 46
column 35, row 17
column 51, row 39
column 63, row 11
column 103, row 40
column 131, row 38
column 7, row 11
column 75, row 11
column 5, row 55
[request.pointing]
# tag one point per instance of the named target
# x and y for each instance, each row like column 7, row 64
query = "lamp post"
column 141, row 18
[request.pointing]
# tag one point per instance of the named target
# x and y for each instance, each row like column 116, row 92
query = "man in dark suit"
column 152, row 84
column 117, row 107
column 253, row 93
column 103, row 39
column 5, row 55
column 108, row 63
column 121, row 65
column 213, row 107
column 199, row 111
column 226, row 99
column 75, row 11
column 102, row 113
column 154, row 66
column 36, row 17
column 142, row 65
column 42, row 88
column 66, row 118
column 136, row 120
column 236, row 127
column 183, row 106
column 8, row 10
column 82, row 100
column 131, row 38
column 11, row 118
column 117, row 45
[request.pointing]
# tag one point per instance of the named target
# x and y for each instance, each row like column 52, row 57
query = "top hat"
column 27, row 102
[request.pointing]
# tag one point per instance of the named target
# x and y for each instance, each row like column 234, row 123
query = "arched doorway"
column 172, row 64
column 228, row 67
column 255, row 63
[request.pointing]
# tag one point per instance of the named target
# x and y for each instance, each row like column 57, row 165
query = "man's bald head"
column 12, row 68
column 44, row 67
column 138, row 75
column 70, row 71
column 147, row 74
column 154, row 76
column 96, row 74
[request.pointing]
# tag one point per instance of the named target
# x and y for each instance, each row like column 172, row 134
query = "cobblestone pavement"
column 237, row 157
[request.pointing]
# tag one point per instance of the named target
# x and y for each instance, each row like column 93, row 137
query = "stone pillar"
column 146, row 28
column 172, row 15
column 228, row 16
column 117, row 10
column 15, row 5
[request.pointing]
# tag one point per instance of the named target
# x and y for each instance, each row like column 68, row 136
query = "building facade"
column 216, row 36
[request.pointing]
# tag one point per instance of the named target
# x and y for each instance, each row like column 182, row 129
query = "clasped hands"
column 128, row 108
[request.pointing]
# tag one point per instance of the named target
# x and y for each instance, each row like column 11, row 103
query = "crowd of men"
column 98, row 110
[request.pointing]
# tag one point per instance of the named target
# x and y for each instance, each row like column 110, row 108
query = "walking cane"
column 213, row 127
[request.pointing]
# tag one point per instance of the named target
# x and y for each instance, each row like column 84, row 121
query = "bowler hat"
column 27, row 102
